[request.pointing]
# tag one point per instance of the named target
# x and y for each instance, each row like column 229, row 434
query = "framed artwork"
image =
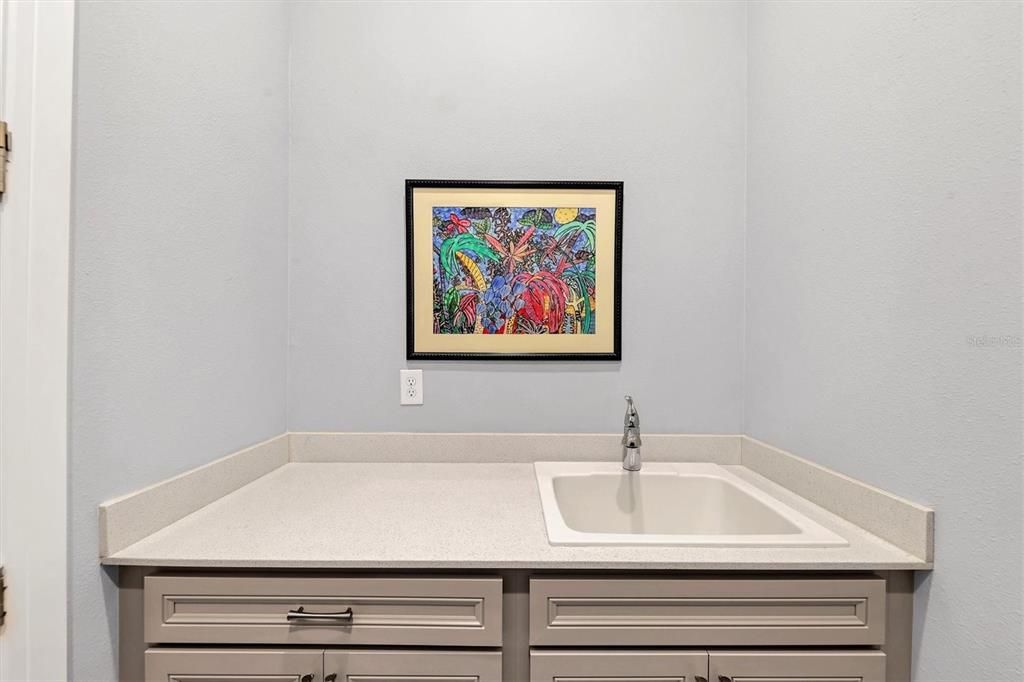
column 513, row 270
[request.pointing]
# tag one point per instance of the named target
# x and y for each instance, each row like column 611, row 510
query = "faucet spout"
column 631, row 442
column 631, row 459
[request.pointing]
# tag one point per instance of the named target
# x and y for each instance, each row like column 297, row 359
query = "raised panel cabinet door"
column 323, row 610
column 618, row 666
column 412, row 666
column 234, row 665
column 797, row 666
column 702, row 612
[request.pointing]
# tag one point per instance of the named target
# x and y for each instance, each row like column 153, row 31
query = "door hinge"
column 3, row 589
column 5, row 148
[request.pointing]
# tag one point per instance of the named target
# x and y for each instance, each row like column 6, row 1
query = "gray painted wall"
column 884, row 231
column 652, row 95
column 179, row 290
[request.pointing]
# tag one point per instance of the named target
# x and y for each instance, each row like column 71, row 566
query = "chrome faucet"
column 631, row 438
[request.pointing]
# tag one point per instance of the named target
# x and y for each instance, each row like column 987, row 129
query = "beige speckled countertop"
column 437, row 515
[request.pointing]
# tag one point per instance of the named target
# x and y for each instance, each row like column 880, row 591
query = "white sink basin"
column 597, row 503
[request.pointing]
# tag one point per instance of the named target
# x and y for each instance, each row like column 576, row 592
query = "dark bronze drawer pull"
column 301, row 614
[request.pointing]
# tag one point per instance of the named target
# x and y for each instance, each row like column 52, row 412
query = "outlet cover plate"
column 412, row 386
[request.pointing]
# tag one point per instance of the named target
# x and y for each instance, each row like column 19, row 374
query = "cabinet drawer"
column 225, row 665
column 797, row 666
column 389, row 610
column 618, row 666
column 413, row 666
column 707, row 612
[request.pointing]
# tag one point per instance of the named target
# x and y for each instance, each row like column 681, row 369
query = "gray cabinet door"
column 618, row 666
column 234, row 665
column 367, row 610
column 412, row 666
column 703, row 612
column 797, row 666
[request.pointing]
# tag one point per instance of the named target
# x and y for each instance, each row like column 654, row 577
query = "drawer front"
column 798, row 666
column 226, row 665
column 707, row 612
column 389, row 611
column 618, row 666
column 413, row 666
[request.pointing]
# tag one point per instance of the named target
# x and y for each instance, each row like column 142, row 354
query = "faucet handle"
column 632, row 419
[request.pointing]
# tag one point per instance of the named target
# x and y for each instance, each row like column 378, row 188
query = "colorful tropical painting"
column 514, row 270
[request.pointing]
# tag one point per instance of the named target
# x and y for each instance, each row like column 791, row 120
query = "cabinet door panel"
column 697, row 612
column 413, row 666
column 233, row 665
column 618, row 666
column 797, row 666
column 370, row 610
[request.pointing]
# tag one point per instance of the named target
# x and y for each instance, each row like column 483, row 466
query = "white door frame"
column 35, row 217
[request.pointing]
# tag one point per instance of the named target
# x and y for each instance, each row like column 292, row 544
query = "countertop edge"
column 829, row 566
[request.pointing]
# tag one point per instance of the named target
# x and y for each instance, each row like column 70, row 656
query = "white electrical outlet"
column 412, row 386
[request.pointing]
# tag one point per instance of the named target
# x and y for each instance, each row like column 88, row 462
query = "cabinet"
column 339, row 610
column 619, row 666
column 700, row 666
column 413, row 666
column 284, row 665
column 514, row 626
column 797, row 666
column 709, row 611
column 225, row 665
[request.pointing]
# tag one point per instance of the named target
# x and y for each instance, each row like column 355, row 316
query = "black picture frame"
column 411, row 185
